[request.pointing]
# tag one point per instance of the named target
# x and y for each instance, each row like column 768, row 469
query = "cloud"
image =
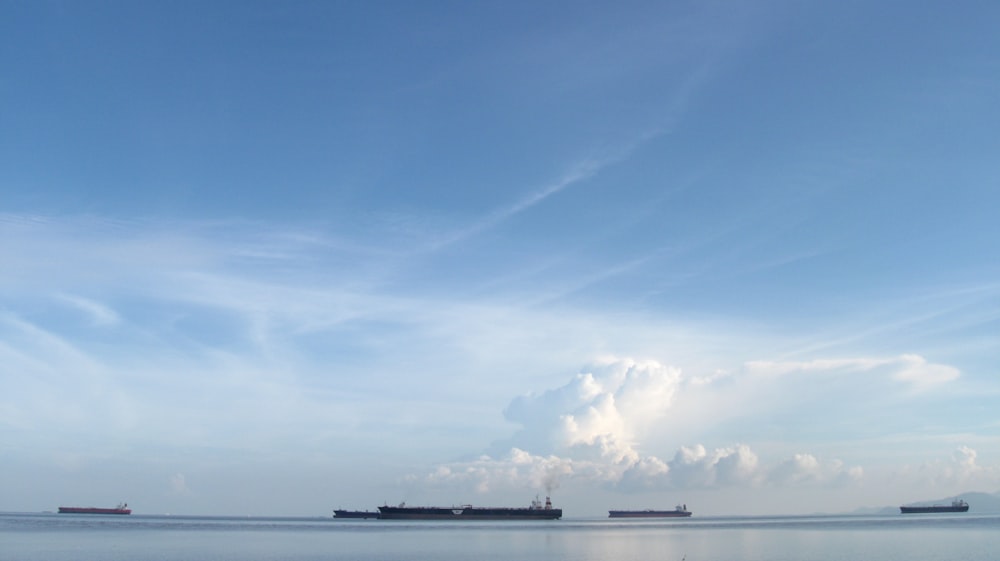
column 178, row 484
column 910, row 369
column 783, row 368
column 577, row 173
column 735, row 465
column 517, row 469
column 916, row 371
column 599, row 413
column 100, row 314
column 805, row 469
column 593, row 428
column 692, row 467
column 695, row 467
column 646, row 474
column 961, row 468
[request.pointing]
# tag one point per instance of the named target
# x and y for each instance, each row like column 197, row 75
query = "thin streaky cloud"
column 590, row 167
column 893, row 317
column 581, row 283
column 99, row 314
column 576, row 174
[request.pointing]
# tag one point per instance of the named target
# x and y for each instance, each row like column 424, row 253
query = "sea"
column 67, row 537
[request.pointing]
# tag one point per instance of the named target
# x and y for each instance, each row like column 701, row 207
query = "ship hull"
column 932, row 509
column 92, row 510
column 467, row 513
column 648, row 514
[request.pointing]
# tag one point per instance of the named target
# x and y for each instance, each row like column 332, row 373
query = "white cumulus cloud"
column 593, row 428
column 805, row 469
column 696, row 467
column 599, row 414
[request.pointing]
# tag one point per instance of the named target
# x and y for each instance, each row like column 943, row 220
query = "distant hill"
column 979, row 503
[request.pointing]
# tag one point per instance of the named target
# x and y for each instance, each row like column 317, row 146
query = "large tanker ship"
column 680, row 511
column 955, row 506
column 120, row 509
column 537, row 511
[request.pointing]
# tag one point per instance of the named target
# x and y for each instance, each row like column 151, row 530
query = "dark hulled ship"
column 120, row 509
column 680, row 511
column 536, row 511
column 955, row 506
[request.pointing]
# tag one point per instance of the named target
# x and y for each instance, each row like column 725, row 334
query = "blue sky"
column 278, row 258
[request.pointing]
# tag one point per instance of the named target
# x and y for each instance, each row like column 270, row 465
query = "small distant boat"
column 122, row 508
column 680, row 511
column 955, row 506
column 354, row 514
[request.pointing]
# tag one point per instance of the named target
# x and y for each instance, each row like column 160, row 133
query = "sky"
column 276, row 258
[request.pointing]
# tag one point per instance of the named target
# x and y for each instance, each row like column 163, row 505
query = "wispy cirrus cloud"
column 577, row 173
column 100, row 314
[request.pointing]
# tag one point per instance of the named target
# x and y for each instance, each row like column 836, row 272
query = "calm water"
column 57, row 537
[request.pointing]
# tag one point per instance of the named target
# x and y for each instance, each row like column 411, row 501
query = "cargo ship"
column 536, row 511
column 120, row 509
column 355, row 514
column 955, row 506
column 680, row 511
